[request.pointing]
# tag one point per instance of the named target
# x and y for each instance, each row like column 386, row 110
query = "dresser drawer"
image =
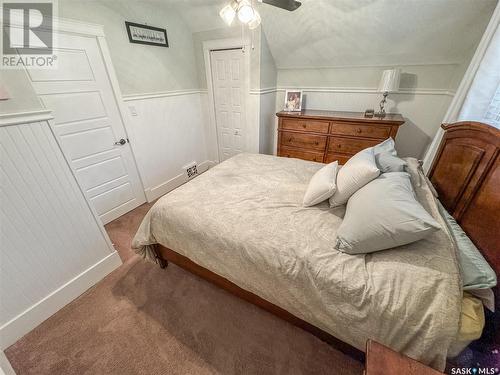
column 332, row 156
column 308, row 141
column 301, row 154
column 305, row 125
column 361, row 130
column 350, row 145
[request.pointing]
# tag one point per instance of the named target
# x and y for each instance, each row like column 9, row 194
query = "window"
column 492, row 115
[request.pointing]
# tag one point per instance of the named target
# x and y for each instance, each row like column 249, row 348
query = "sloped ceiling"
column 328, row 33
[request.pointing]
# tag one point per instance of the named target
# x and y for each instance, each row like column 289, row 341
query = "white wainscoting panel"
column 267, row 128
column 210, row 130
column 53, row 246
column 168, row 132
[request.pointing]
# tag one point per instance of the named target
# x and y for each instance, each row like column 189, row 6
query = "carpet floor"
column 144, row 320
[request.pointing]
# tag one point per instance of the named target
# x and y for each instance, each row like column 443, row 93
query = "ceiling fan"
column 290, row 5
column 247, row 14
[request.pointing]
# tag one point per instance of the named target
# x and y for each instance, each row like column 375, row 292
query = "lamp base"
column 381, row 113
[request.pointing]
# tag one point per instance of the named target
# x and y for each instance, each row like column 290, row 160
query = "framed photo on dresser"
column 293, row 100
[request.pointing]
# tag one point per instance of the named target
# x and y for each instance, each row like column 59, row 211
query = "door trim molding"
column 208, row 46
column 68, row 25
column 120, row 103
column 71, row 26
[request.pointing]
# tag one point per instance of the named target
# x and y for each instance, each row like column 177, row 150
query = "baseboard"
column 162, row 189
column 17, row 327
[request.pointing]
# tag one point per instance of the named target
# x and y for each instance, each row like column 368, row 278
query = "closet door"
column 228, row 78
column 89, row 126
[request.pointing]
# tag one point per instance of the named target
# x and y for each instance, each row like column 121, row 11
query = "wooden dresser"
column 326, row 136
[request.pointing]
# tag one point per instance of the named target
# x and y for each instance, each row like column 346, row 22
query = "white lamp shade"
column 390, row 80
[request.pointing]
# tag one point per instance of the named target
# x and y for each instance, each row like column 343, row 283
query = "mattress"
column 244, row 220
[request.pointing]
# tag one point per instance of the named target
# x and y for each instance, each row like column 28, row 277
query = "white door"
column 89, row 126
column 229, row 86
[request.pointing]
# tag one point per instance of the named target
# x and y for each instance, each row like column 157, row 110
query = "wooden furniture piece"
column 380, row 360
column 165, row 255
column 326, row 136
column 468, row 158
column 466, row 175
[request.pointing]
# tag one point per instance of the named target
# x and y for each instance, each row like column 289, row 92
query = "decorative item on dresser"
column 380, row 360
column 326, row 136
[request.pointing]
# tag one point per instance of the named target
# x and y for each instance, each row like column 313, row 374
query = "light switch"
column 133, row 110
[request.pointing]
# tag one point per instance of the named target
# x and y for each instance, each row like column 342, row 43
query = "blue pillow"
column 476, row 272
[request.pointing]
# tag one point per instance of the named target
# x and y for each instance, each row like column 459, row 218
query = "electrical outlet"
column 133, row 110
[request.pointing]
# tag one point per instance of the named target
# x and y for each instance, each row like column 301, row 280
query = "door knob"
column 121, row 142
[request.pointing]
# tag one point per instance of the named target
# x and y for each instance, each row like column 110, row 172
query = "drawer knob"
column 316, row 143
column 304, row 126
column 339, row 146
column 358, row 130
column 290, row 139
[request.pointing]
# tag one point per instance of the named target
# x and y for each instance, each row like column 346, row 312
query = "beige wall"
column 268, row 76
column 268, row 71
column 432, row 76
column 22, row 96
column 141, row 68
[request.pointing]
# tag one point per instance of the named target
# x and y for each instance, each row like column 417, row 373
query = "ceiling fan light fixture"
column 228, row 13
column 255, row 22
column 246, row 13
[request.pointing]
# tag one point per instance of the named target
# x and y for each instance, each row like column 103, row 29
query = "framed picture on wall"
column 144, row 34
column 293, row 100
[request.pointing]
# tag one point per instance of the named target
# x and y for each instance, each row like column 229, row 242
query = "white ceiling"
column 329, row 33
column 375, row 32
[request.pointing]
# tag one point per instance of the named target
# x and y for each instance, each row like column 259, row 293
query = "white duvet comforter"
column 244, row 220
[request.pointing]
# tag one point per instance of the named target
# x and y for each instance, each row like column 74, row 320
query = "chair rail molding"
column 365, row 90
column 25, row 117
column 160, row 94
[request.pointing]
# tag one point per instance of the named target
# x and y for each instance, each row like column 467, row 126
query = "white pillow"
column 385, row 146
column 388, row 162
column 356, row 173
column 382, row 215
column 322, row 185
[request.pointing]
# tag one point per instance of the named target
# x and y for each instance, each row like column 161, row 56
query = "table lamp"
column 388, row 83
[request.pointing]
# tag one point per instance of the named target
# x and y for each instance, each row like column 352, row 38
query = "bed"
column 242, row 226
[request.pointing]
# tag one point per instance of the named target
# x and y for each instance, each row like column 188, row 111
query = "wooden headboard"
column 466, row 175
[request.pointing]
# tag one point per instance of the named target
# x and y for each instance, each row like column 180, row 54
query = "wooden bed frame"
column 466, row 175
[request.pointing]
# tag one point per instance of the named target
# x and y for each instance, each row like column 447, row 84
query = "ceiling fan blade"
column 290, row 5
